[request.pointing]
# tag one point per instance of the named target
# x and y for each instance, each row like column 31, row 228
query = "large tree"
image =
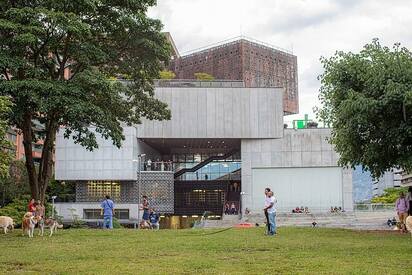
column 58, row 59
column 367, row 98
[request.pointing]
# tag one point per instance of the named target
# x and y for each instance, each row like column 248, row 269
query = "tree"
column 203, row 76
column 167, row 74
column 57, row 58
column 15, row 184
column 5, row 145
column 367, row 98
column 390, row 195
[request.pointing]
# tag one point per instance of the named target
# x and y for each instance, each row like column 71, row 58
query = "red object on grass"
column 244, row 225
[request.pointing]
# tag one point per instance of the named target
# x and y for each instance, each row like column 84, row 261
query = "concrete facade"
column 247, row 119
column 218, row 113
column 297, row 148
column 74, row 162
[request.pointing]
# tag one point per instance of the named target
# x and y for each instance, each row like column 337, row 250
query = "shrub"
column 116, row 223
column 18, row 207
column 390, row 195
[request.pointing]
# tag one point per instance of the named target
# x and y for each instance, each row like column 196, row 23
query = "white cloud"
column 312, row 28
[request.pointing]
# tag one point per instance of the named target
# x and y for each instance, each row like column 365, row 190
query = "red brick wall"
column 255, row 64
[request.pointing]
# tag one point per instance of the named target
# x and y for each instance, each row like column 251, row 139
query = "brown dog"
column 28, row 224
column 50, row 223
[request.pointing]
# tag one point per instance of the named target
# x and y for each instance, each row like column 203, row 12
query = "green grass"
column 236, row 251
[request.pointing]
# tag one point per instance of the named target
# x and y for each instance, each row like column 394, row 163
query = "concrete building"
column 256, row 63
column 224, row 144
column 390, row 179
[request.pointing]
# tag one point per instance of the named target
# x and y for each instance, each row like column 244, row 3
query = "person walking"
column 267, row 202
column 402, row 207
column 107, row 212
column 271, row 210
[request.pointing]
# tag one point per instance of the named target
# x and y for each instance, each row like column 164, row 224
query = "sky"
column 309, row 28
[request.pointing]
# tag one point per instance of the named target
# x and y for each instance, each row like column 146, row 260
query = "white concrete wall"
column 64, row 209
column 218, row 113
column 297, row 148
column 74, row 162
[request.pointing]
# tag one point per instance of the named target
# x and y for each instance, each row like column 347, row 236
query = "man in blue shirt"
column 108, row 212
column 154, row 219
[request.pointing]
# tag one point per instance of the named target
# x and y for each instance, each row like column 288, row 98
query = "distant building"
column 256, row 63
column 390, row 179
column 362, row 185
column 16, row 138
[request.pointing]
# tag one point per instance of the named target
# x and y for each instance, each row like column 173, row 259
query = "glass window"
column 97, row 190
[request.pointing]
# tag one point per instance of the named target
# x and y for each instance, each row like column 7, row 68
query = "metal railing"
column 370, row 207
column 232, row 41
column 216, row 83
column 157, row 166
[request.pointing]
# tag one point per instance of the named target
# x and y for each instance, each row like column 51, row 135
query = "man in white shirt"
column 267, row 203
column 271, row 210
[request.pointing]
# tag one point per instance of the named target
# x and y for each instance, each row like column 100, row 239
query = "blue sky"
column 311, row 28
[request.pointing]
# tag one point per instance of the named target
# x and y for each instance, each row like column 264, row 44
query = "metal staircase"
column 203, row 163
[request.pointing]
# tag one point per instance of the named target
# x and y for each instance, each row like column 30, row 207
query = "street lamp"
column 240, row 204
column 53, row 198
column 139, row 162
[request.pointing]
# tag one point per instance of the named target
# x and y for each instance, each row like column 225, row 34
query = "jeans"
column 272, row 223
column 267, row 222
column 108, row 222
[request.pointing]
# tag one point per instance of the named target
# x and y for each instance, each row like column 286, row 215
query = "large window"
column 97, row 190
column 95, row 214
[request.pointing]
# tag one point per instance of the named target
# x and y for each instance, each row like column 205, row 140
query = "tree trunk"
column 46, row 163
column 28, row 152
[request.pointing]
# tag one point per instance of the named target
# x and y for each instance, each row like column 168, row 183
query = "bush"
column 390, row 195
column 18, row 207
column 116, row 223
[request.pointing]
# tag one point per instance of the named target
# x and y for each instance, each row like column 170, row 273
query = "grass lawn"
column 236, row 251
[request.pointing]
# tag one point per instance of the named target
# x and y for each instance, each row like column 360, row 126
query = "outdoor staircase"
column 375, row 220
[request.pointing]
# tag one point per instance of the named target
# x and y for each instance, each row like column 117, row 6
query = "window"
column 95, row 214
column 96, row 190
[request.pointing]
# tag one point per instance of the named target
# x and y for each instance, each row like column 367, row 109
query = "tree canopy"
column 57, row 59
column 5, row 145
column 367, row 98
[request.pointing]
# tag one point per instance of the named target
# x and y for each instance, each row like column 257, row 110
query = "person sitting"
column 332, row 210
column 154, row 219
column 302, row 210
column 307, row 210
column 233, row 210
column 297, row 209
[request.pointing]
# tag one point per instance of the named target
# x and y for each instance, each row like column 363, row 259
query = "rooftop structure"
column 256, row 63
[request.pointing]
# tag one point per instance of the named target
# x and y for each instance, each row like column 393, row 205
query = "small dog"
column 408, row 223
column 50, row 223
column 144, row 225
column 28, row 224
column 6, row 222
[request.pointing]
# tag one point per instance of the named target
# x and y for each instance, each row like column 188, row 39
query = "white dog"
column 50, row 223
column 28, row 224
column 408, row 223
column 6, row 222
